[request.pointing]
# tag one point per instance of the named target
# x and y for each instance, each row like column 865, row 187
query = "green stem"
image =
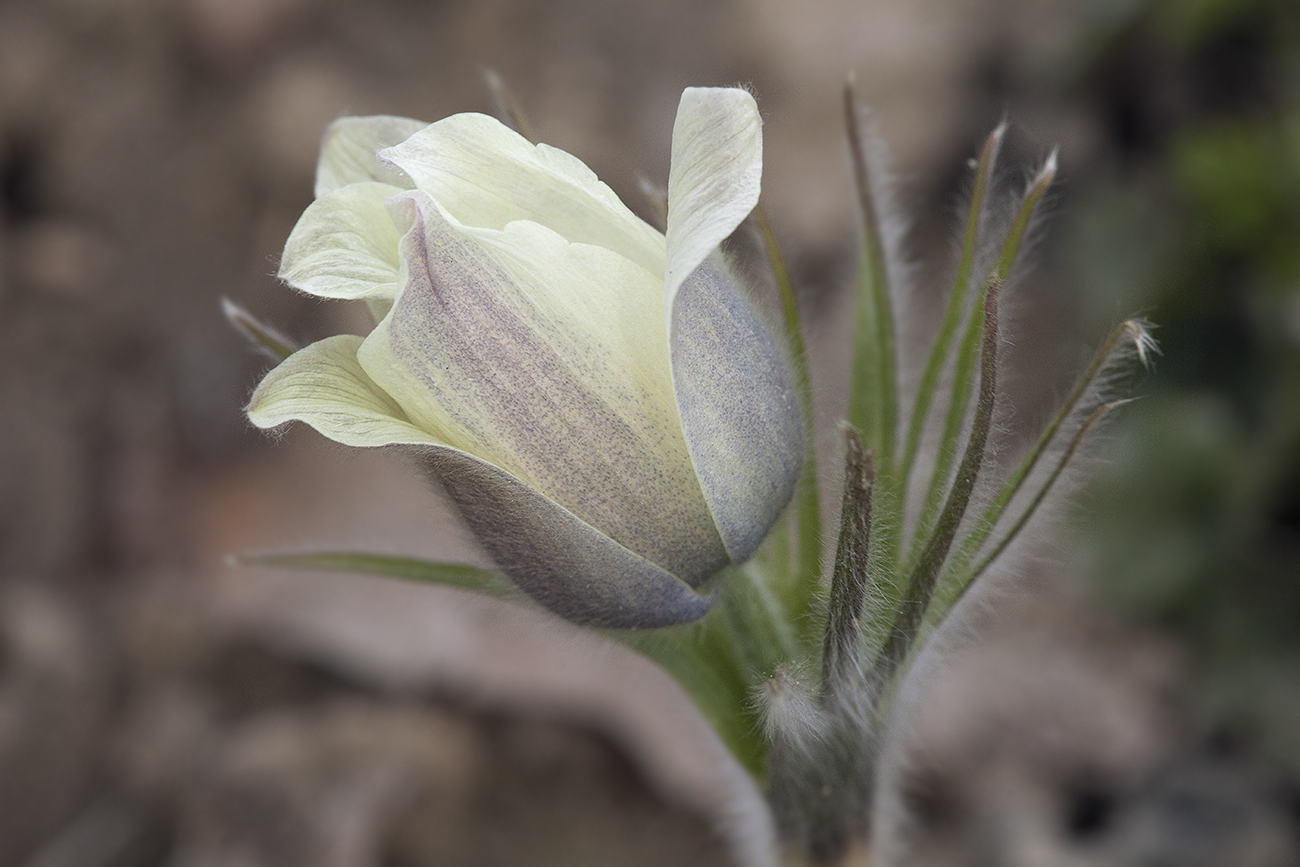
column 724, row 658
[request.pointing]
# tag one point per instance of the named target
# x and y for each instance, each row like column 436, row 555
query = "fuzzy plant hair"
column 929, row 504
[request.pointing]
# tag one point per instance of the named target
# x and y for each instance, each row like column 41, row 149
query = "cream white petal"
column 345, row 245
column 739, row 410
column 549, row 360
column 715, row 174
column 323, row 385
column 347, row 154
column 488, row 176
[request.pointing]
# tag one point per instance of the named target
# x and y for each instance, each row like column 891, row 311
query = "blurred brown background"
column 158, row 707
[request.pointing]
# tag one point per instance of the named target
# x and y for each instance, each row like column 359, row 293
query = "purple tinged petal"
column 739, row 409
column 556, row 558
column 465, row 354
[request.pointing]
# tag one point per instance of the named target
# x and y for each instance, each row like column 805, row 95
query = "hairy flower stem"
column 822, row 768
column 840, row 667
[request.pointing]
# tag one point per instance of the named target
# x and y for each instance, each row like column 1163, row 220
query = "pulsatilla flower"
column 601, row 402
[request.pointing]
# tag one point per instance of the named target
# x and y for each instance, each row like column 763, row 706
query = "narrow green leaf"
column 939, row 352
column 1024, row 217
column 263, row 337
column 1028, row 513
column 924, row 577
column 873, row 399
column 964, row 368
column 719, row 660
column 508, row 107
column 802, row 584
column 963, row 377
column 956, row 579
column 410, row 568
column 873, row 387
column 1136, row 331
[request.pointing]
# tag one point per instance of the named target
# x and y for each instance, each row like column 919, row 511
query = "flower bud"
column 601, row 402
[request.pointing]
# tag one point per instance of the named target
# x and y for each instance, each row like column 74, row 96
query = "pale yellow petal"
column 715, row 176
column 487, row 176
column 347, row 154
column 323, row 385
column 345, row 245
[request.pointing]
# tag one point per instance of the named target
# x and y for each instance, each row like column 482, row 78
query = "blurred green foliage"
column 1196, row 522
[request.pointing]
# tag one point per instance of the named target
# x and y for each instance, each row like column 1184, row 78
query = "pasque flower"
column 602, row 402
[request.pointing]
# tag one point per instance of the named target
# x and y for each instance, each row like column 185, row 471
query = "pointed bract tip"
column 791, row 710
column 1048, row 171
column 263, row 337
column 236, row 315
column 855, row 453
column 657, row 197
column 776, row 685
column 508, row 107
column 1139, row 332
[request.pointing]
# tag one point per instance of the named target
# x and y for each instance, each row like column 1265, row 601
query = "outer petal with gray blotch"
column 549, row 360
column 739, row 410
column 560, row 560
column 613, row 438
